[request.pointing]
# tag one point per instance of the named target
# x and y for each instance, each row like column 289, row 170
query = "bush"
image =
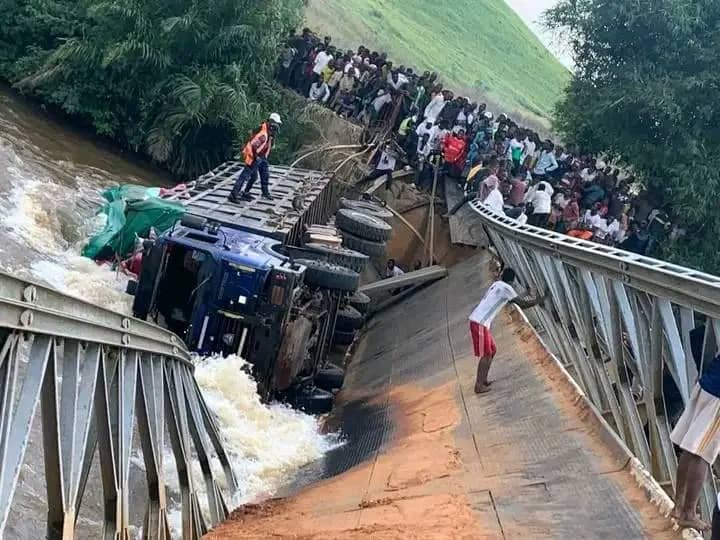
column 183, row 82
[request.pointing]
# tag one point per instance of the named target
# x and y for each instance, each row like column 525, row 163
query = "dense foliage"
column 182, row 81
column 645, row 92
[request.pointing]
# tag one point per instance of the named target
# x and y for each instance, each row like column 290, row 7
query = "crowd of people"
column 505, row 166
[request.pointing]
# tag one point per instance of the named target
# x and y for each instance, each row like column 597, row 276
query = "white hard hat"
column 275, row 117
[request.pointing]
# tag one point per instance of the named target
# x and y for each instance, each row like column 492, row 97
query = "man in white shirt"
column 542, row 205
column 322, row 59
column 496, row 297
column 547, row 162
column 435, row 107
column 528, row 150
column 393, row 270
column 386, row 165
column 425, row 132
column 319, row 91
column 495, row 201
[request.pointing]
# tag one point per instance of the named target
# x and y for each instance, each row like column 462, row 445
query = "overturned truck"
column 252, row 279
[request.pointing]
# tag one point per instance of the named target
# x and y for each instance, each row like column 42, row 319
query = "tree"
column 644, row 92
column 181, row 80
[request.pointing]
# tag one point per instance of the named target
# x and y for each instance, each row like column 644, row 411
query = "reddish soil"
column 414, row 490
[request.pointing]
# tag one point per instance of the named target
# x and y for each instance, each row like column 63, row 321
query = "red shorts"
column 483, row 342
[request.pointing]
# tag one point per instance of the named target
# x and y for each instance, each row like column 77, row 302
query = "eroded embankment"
column 524, row 461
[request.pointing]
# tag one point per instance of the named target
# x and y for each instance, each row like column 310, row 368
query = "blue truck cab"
column 224, row 291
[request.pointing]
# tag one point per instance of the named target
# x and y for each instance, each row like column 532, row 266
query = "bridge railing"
column 634, row 332
column 103, row 380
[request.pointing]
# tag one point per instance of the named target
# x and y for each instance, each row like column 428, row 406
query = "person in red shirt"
column 454, row 149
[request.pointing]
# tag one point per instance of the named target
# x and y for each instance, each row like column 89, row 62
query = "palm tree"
column 180, row 80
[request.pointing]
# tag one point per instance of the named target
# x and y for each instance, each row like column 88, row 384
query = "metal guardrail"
column 634, row 332
column 102, row 378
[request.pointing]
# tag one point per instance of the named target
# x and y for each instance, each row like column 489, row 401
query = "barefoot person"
column 698, row 434
column 499, row 294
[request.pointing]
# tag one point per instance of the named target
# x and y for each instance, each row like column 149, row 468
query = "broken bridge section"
column 524, row 461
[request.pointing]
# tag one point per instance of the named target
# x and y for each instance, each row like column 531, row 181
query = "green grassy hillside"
column 480, row 48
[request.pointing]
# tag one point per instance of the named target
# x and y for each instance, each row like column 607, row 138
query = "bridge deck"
column 427, row 458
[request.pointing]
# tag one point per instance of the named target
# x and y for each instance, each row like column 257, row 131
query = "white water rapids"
column 50, row 185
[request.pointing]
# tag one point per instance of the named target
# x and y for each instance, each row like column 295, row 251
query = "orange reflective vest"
column 259, row 145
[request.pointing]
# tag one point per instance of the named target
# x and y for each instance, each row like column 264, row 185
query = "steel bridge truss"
column 622, row 325
column 101, row 379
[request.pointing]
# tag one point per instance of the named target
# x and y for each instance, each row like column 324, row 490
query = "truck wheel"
column 363, row 225
column 368, row 247
column 354, row 260
column 348, row 319
column 329, row 276
column 343, row 338
column 360, row 301
column 331, row 378
column 369, row 208
column 313, row 401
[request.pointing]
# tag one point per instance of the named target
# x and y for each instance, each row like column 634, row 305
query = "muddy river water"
column 51, row 180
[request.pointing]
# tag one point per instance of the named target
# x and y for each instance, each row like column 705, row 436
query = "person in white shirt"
column 528, row 151
column 438, row 137
column 425, row 132
column 547, row 162
column 542, row 205
column 481, row 319
column 393, row 270
column 607, row 230
column 322, row 59
column 386, row 165
column 319, row 91
column 435, row 107
column 495, row 202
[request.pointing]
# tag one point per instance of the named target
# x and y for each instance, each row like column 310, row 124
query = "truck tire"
column 313, row 401
column 368, row 247
column 354, row 260
column 367, row 207
column 343, row 338
column 330, row 378
column 360, row 301
column 329, row 276
column 348, row 319
column 363, row 225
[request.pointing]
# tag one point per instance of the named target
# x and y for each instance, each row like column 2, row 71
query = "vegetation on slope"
column 479, row 47
column 645, row 93
column 181, row 81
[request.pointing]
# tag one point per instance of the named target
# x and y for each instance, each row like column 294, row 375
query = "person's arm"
column 529, row 299
column 553, row 165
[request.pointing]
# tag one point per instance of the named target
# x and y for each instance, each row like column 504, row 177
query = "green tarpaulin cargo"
column 131, row 212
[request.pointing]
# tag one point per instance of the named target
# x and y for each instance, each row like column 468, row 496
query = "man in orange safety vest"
column 256, row 153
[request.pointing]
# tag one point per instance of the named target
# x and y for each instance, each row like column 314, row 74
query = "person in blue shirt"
column 697, row 433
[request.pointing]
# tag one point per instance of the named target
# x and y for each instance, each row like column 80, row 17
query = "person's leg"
column 252, row 178
column 680, row 484
column 240, row 182
column 372, row 175
column 481, row 383
column 388, row 179
column 695, row 473
column 264, row 171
